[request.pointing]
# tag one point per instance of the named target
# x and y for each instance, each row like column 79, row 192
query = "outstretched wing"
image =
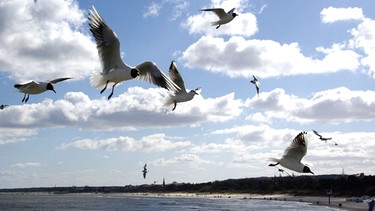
column 316, row 133
column 149, row 72
column 298, row 148
column 107, row 42
column 175, row 76
column 218, row 11
column 58, row 80
column 24, row 86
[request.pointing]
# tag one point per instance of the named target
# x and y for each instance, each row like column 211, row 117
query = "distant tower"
column 163, row 182
column 342, row 172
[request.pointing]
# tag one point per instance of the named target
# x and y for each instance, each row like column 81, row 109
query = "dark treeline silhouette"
column 353, row 185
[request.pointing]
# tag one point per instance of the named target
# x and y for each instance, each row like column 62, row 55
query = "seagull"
column 2, row 106
column 293, row 154
column 114, row 69
column 144, row 171
column 224, row 17
column 256, row 83
column 323, row 138
column 33, row 87
column 180, row 95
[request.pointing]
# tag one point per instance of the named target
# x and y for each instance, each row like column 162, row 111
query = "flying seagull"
column 256, row 83
column 323, row 138
column 2, row 106
column 144, row 171
column 33, row 87
column 224, row 17
column 180, row 95
column 114, row 69
column 292, row 156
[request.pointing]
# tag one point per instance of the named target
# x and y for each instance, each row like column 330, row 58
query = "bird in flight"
column 181, row 95
column 292, row 156
column 256, row 83
column 33, row 87
column 224, row 17
column 2, row 106
column 144, row 171
column 325, row 139
column 114, row 69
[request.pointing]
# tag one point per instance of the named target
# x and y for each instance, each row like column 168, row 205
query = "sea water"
column 141, row 202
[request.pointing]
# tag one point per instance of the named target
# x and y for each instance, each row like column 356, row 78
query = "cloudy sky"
column 315, row 63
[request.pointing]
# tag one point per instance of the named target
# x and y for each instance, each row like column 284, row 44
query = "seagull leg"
column 271, row 164
column 113, row 88
column 104, row 87
column 24, row 97
column 175, row 104
column 218, row 26
column 28, row 95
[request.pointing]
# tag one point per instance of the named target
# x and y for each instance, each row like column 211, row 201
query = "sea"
column 101, row 201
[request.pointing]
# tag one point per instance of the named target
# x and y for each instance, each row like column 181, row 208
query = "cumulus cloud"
column 331, row 106
column 12, row 135
column 45, row 36
column 151, row 143
column 265, row 58
column 332, row 14
column 364, row 39
column 141, row 108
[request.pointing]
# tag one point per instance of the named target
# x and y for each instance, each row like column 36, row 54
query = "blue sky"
column 315, row 63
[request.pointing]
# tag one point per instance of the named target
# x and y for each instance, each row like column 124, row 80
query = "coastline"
column 335, row 202
column 339, row 203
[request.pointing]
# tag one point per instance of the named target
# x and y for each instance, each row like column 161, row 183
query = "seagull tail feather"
column 169, row 101
column 274, row 160
column 215, row 23
column 97, row 80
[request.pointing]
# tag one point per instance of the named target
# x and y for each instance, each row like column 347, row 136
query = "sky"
column 315, row 62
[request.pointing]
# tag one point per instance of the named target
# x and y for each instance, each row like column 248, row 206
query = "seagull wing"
column 107, row 42
column 297, row 149
column 218, row 11
column 58, row 80
column 255, row 79
column 149, row 72
column 316, row 133
column 24, row 86
column 175, row 76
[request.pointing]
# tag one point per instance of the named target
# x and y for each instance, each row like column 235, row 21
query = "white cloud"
column 151, row 143
column 333, row 105
column 142, row 108
column 364, row 39
column 332, row 14
column 183, row 159
column 27, row 164
column 152, row 10
column 264, row 58
column 11, row 135
column 176, row 10
column 45, row 36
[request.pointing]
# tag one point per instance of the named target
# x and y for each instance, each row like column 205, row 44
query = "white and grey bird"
column 325, row 139
column 256, row 83
column 293, row 155
column 224, row 17
column 180, row 95
column 145, row 171
column 33, row 87
column 2, row 106
column 114, row 69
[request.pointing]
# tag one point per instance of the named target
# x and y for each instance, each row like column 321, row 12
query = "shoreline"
column 339, row 203
column 335, row 202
